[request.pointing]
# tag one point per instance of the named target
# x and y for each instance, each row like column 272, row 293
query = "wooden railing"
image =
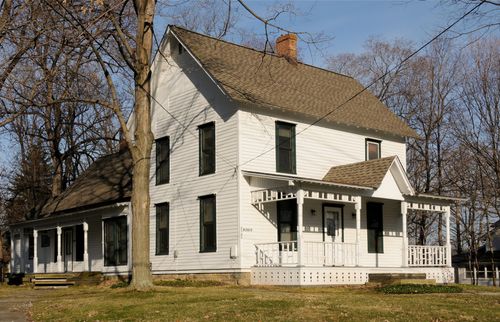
column 329, row 254
column 427, row 255
column 313, row 254
column 277, row 254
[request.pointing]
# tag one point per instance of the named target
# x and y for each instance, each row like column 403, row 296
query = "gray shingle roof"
column 250, row 76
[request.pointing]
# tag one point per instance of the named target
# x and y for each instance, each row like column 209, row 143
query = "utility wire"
column 372, row 83
column 234, row 167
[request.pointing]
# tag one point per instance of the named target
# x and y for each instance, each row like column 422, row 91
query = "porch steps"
column 399, row 278
column 51, row 281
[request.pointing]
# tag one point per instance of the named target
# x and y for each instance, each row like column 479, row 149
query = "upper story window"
column 207, row 148
column 372, row 149
column 285, row 147
column 162, row 160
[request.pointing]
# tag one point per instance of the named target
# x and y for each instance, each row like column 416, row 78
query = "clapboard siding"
column 318, row 148
column 191, row 99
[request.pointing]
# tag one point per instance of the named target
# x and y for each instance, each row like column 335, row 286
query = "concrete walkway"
column 14, row 305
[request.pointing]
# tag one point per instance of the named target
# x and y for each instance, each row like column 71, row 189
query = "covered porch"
column 304, row 251
column 87, row 241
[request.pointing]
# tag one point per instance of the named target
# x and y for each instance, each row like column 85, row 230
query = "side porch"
column 94, row 240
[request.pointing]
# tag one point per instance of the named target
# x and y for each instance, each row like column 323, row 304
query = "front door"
column 332, row 224
column 287, row 220
column 68, row 250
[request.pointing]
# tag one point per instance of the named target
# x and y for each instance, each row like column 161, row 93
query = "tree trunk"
column 141, row 151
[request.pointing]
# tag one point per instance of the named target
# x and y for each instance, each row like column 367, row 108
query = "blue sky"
column 350, row 23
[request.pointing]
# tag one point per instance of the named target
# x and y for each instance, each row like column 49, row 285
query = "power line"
column 372, row 83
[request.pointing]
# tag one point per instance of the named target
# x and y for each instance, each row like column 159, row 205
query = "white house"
column 263, row 168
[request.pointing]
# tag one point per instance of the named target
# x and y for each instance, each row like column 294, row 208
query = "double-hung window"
column 115, row 241
column 162, row 160
column 285, row 147
column 162, row 226
column 207, row 148
column 372, row 149
column 208, row 232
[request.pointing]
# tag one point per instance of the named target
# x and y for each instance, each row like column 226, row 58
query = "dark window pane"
column 208, row 237
column 79, row 243
column 207, row 148
column 375, row 227
column 31, row 246
column 45, row 239
column 285, row 147
column 115, row 241
column 372, row 150
column 162, row 160
column 162, row 224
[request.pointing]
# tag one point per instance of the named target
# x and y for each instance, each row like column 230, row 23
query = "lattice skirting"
column 337, row 275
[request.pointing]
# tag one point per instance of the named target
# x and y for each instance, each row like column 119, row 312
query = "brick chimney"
column 286, row 46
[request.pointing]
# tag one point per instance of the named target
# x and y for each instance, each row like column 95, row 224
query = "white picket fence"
column 484, row 276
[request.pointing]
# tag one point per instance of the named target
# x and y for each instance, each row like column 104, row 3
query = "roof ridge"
column 264, row 52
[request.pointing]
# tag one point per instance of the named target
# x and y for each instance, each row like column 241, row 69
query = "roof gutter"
column 301, row 180
column 70, row 213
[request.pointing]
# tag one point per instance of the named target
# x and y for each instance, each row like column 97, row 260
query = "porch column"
column 12, row 252
column 404, row 213
column 22, row 269
column 448, row 242
column 300, row 212
column 59, row 256
column 357, row 207
column 85, row 246
column 35, row 251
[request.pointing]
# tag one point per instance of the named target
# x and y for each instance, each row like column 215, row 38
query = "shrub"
column 188, row 283
column 419, row 289
column 119, row 285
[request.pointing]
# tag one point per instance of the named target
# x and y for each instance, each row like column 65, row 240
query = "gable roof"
column 250, row 76
column 367, row 173
column 108, row 180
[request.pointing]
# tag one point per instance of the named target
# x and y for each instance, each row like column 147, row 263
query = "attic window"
column 180, row 48
column 372, row 149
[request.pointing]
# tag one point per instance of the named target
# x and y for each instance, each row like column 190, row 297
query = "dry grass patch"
column 231, row 303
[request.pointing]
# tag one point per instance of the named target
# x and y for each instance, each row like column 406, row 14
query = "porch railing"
column 313, row 254
column 329, row 254
column 277, row 254
column 427, row 255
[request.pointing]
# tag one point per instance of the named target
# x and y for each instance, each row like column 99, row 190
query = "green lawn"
column 231, row 303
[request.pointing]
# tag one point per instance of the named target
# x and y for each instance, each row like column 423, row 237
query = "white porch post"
column 300, row 212
column 59, row 257
column 85, row 246
column 22, row 253
column 12, row 252
column 448, row 236
column 35, row 251
column 357, row 207
column 404, row 212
